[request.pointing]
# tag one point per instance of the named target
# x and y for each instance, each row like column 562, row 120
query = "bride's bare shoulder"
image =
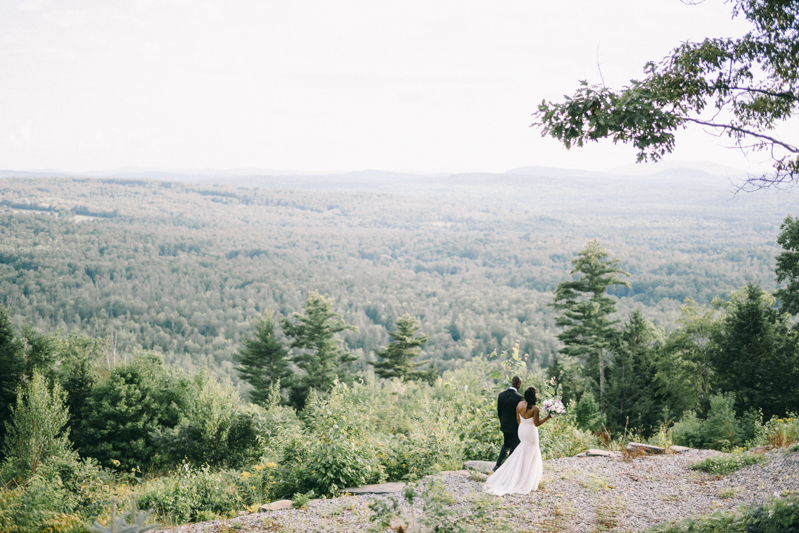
column 521, row 408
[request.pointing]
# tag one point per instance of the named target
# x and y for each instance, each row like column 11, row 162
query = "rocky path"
column 579, row 494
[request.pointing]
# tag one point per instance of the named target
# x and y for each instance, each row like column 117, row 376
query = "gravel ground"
column 577, row 494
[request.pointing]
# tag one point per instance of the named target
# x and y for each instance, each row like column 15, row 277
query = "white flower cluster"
column 553, row 406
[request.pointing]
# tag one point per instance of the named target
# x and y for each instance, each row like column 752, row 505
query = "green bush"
column 192, row 495
column 721, row 430
column 214, row 427
column 586, row 413
column 560, row 438
column 780, row 514
column 122, row 412
column 724, row 464
column 689, row 431
column 38, row 428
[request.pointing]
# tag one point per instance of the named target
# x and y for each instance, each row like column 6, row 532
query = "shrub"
column 214, row 427
column 37, row 430
column 780, row 514
column 689, row 431
column 586, row 413
column 560, row 438
column 192, row 495
column 721, row 430
column 122, row 412
column 782, row 432
column 724, row 464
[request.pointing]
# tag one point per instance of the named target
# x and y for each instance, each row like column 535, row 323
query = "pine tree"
column 631, row 394
column 321, row 355
column 12, row 366
column 263, row 361
column 398, row 356
column 787, row 268
column 755, row 354
column 38, row 429
column 586, row 308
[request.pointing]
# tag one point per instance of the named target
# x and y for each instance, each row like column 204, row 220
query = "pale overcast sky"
column 336, row 85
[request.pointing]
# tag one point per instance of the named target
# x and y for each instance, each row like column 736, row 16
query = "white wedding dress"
column 522, row 471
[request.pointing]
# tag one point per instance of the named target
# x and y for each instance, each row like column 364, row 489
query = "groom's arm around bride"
column 506, row 409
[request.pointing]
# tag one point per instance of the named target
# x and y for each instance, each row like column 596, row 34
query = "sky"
column 326, row 86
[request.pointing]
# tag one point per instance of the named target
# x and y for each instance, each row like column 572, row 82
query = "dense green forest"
column 183, row 268
column 127, row 304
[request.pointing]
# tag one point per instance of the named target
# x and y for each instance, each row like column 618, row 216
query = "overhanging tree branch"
column 730, row 127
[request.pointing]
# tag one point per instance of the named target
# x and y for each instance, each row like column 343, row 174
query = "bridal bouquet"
column 553, row 406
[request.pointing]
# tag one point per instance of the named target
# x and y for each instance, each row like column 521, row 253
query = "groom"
column 506, row 409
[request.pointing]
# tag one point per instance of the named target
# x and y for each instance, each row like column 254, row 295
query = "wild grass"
column 724, row 464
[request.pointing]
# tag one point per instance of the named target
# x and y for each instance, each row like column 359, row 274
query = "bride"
column 522, row 472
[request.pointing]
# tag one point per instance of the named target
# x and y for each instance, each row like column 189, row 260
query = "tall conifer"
column 263, row 361
column 398, row 356
column 586, row 307
column 321, row 355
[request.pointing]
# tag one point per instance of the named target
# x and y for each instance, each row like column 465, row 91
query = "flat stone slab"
column 454, row 473
column 678, row 449
column 481, row 466
column 649, row 449
column 276, row 506
column 598, row 453
column 380, row 488
column 580, row 454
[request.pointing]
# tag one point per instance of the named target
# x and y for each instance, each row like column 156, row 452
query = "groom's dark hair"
column 515, row 382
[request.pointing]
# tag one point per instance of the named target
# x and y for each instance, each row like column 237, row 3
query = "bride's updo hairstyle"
column 530, row 396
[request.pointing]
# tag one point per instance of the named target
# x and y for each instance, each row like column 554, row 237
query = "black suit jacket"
column 506, row 409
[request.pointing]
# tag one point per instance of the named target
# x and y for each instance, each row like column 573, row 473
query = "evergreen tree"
column 123, row 413
column 12, row 367
column 398, row 356
column 754, row 354
column 38, row 427
column 321, row 355
column 263, row 361
column 631, row 393
column 586, row 307
column 78, row 373
column 684, row 367
column 787, row 268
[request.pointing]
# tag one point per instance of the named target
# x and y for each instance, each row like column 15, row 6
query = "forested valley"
column 160, row 338
column 182, row 269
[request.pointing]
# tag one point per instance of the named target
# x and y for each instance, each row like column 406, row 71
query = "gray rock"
column 598, row 453
column 381, row 488
column 481, row 466
column 678, row 449
column 580, row 454
column 449, row 473
column 648, row 449
column 276, row 506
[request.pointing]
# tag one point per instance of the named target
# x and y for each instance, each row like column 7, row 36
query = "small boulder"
column 598, row 453
column 678, row 449
column 646, row 448
column 455, row 473
column 485, row 467
column 381, row 488
column 275, row 506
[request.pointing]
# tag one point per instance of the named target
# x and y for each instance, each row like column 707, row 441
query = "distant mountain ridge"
column 367, row 177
